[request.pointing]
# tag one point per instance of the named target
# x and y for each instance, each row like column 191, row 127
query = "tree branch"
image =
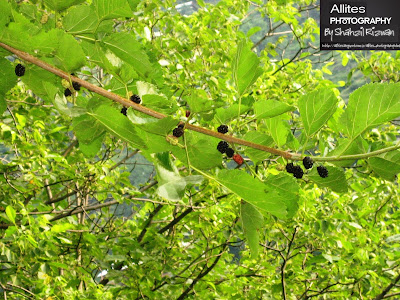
column 96, row 89
column 387, row 289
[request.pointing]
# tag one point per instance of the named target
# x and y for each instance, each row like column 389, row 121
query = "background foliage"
column 96, row 205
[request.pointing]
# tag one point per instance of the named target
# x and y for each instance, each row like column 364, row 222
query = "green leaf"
column 271, row 108
column 253, row 191
column 11, row 214
column 3, row 104
column 5, row 16
column 252, row 222
column 81, row 19
column 43, row 83
column 57, row 228
column 155, row 143
column 90, row 149
column 97, row 55
column 316, row 108
column 8, row 79
column 259, row 138
column 117, row 124
column 387, row 165
column 69, row 55
column 60, row 5
column 370, row 106
column 171, row 185
column 126, row 47
column 133, row 4
column 347, row 147
column 336, row 179
column 161, row 127
column 245, row 67
column 201, row 149
column 60, row 102
column 86, row 128
column 288, row 191
column 19, row 35
column 393, row 238
column 225, row 114
column 279, row 130
column 160, row 103
column 198, row 101
column 111, row 9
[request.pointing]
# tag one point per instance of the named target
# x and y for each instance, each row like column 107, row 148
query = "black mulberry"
column 19, row 70
column 322, row 171
column 124, row 110
column 290, row 168
column 177, row 132
column 298, row 172
column 307, row 162
column 136, row 99
column 222, row 146
column 67, row 93
column 76, row 86
column 229, row 152
column 181, row 125
column 222, row 129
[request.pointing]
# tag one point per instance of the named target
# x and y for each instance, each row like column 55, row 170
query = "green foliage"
column 98, row 205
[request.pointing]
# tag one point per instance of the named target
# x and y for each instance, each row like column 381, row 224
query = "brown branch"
column 98, row 90
column 285, row 260
column 78, row 210
column 70, row 147
column 177, row 219
column 205, row 271
column 292, row 156
column 148, row 222
column 387, row 289
column 60, row 198
column 392, row 295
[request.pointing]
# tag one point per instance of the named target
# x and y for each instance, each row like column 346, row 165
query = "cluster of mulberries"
column 124, row 110
column 298, row 172
column 135, row 99
column 75, row 86
column 223, row 147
